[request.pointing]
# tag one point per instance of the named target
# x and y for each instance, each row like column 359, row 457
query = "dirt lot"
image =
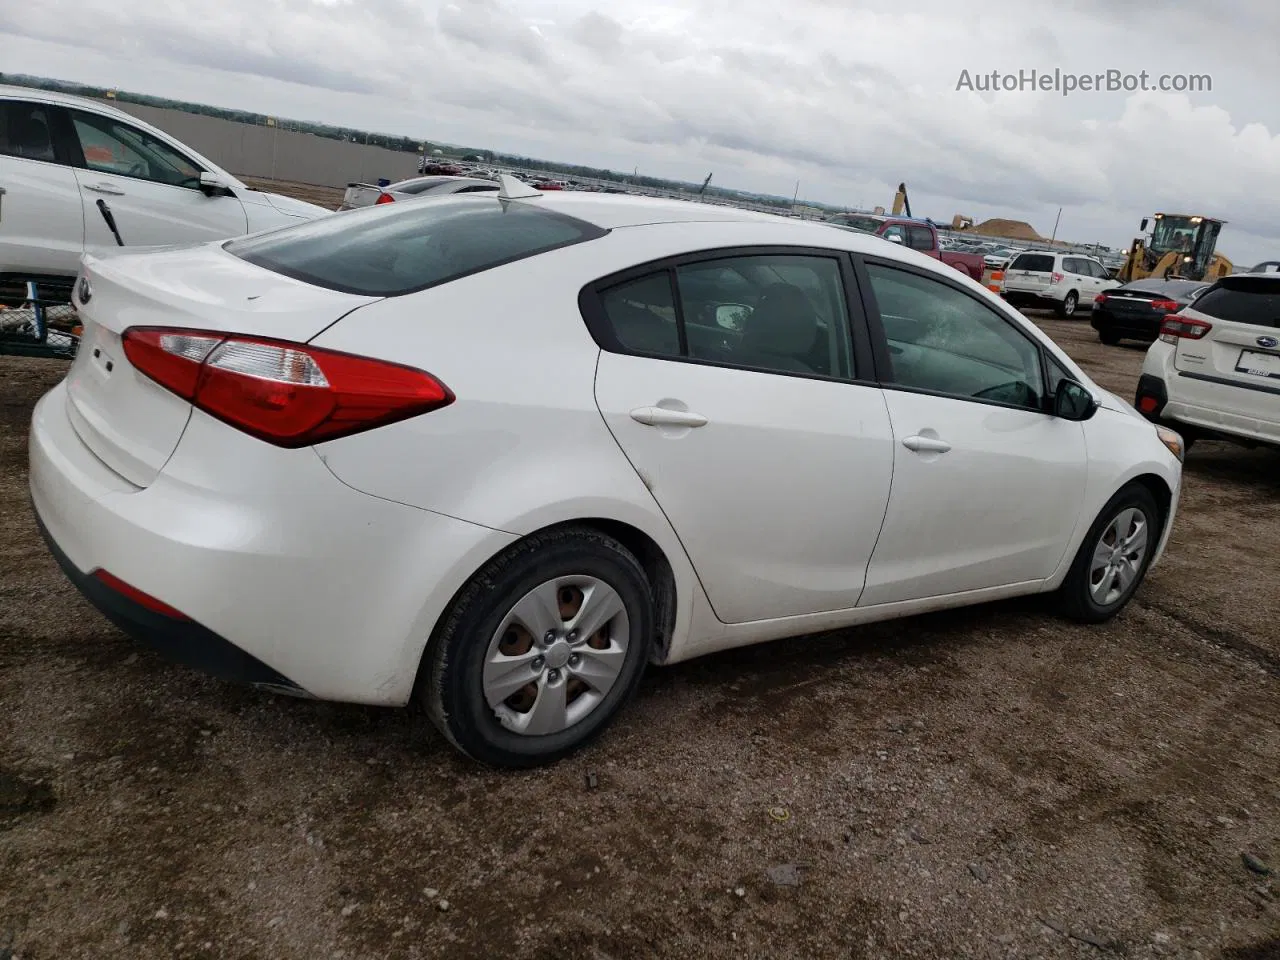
column 991, row 783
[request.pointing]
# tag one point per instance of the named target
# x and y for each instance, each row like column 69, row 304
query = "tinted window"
column 1033, row 262
column 420, row 185
column 480, row 188
column 869, row 224
column 112, row 146
column 920, row 238
column 1255, row 302
column 776, row 313
column 1056, row 375
column 394, row 249
column 945, row 341
column 25, row 131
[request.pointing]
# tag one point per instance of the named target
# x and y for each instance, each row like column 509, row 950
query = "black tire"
column 450, row 683
column 1067, row 308
column 1075, row 599
column 1108, row 337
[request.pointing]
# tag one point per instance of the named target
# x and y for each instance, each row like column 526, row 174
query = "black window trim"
column 880, row 342
column 593, row 313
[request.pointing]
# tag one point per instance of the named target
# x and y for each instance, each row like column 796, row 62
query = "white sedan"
column 491, row 455
column 75, row 173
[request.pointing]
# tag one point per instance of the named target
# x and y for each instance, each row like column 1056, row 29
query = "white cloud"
column 848, row 101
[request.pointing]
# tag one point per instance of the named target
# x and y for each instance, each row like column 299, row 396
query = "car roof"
column 611, row 210
column 8, row 91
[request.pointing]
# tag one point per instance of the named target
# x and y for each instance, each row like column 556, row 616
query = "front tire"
column 1114, row 557
column 1067, row 308
column 541, row 649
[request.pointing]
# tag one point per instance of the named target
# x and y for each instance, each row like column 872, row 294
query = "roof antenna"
column 513, row 189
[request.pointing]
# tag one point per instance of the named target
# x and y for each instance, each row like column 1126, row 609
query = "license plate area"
column 1255, row 364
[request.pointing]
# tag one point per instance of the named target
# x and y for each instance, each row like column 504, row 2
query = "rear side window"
column 1033, row 263
column 25, row 131
column 1255, row 302
column 390, row 250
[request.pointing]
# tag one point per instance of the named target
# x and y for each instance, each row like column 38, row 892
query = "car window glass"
column 398, row 248
column 642, row 315
column 111, row 146
column 1033, row 263
column 1056, row 374
column 25, row 131
column 1244, row 300
column 777, row 313
column 1070, row 265
column 920, row 238
column 944, row 341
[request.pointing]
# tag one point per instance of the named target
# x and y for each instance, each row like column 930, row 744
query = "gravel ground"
column 984, row 783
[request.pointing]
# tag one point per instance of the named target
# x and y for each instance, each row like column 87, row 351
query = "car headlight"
column 1173, row 440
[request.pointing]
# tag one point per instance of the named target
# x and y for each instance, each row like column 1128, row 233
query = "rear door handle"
column 104, row 188
column 662, row 417
column 926, row 445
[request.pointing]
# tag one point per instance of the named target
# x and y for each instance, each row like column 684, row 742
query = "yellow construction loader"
column 1179, row 245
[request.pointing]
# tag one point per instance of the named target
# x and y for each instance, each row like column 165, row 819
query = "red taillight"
column 1100, row 298
column 1178, row 327
column 1148, row 404
column 288, row 394
column 137, row 596
column 1057, row 277
column 1167, row 306
column 384, row 198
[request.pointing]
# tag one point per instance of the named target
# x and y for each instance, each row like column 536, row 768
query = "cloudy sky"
column 846, row 97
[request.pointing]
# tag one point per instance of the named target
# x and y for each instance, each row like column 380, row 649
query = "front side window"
column 943, row 341
column 784, row 314
column 26, row 131
column 112, row 146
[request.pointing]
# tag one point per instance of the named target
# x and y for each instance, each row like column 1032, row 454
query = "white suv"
column 1215, row 371
column 1061, row 281
column 71, row 167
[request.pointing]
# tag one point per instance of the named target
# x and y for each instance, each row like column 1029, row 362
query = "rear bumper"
column 182, row 641
column 1199, row 406
column 1131, row 328
column 1032, row 298
column 289, row 577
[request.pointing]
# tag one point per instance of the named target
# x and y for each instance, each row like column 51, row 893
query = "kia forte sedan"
column 494, row 454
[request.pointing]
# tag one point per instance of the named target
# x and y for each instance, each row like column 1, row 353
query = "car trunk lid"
column 130, row 422
column 1029, row 272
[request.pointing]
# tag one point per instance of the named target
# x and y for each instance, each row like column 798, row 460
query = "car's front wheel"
column 541, row 649
column 1114, row 557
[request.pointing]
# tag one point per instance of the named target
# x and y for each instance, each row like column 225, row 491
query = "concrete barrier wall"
column 259, row 151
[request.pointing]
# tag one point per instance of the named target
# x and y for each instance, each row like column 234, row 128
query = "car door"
column 151, row 189
column 986, row 484
column 735, row 385
column 41, row 220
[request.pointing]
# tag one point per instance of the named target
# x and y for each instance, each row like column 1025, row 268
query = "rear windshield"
column 1243, row 300
column 1033, row 262
column 389, row 250
column 867, row 224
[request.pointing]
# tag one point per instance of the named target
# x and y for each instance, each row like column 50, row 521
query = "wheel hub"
column 557, row 655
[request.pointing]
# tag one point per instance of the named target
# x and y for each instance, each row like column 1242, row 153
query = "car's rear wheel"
column 541, row 649
column 1067, row 308
column 1113, row 559
column 1109, row 337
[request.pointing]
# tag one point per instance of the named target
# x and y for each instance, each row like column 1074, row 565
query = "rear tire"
column 1067, row 308
column 528, row 584
column 1106, row 572
column 1108, row 337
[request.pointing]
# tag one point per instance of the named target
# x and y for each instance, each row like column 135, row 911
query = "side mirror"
column 213, row 185
column 729, row 316
column 894, row 238
column 1072, row 401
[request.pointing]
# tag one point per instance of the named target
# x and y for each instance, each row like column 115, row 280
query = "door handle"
column 662, row 417
column 104, row 188
column 926, row 445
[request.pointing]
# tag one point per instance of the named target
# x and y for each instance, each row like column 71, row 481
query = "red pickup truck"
column 916, row 234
